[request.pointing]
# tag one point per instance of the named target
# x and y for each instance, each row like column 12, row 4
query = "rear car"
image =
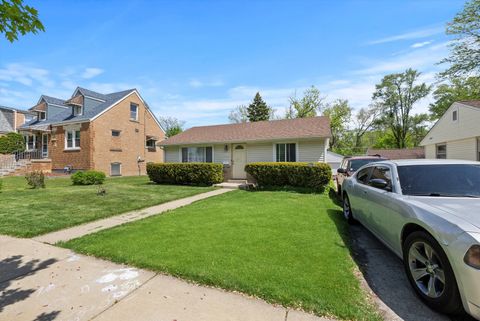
column 350, row 165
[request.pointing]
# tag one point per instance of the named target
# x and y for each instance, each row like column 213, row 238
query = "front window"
column 133, row 112
column 441, row 151
column 42, row 115
column 440, row 180
column 72, row 139
column 286, row 152
column 197, row 155
column 30, row 142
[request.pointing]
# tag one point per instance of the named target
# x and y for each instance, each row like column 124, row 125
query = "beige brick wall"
column 61, row 157
column 130, row 145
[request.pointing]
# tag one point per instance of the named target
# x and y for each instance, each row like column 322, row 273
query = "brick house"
column 115, row 133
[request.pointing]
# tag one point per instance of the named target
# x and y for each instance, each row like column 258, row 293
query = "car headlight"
column 472, row 257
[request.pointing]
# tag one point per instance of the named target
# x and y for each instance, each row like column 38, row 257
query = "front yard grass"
column 284, row 247
column 27, row 212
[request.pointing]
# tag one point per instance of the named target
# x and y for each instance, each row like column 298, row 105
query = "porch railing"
column 10, row 161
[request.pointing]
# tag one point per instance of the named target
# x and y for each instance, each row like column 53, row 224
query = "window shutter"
column 208, row 155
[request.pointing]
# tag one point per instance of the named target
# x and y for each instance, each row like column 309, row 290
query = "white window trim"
column 78, row 114
column 136, row 114
column 274, row 148
column 74, row 146
column 44, row 113
column 436, row 150
column 120, row 169
column 34, row 142
column 181, row 147
column 146, row 146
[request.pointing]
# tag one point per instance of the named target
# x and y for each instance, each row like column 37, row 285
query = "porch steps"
column 234, row 184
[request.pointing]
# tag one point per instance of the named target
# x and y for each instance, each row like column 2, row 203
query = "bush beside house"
column 185, row 173
column 310, row 175
column 11, row 142
column 88, row 178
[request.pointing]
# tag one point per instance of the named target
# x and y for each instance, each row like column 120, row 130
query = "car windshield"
column 355, row 164
column 455, row 180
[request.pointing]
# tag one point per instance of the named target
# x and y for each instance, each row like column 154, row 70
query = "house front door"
column 44, row 145
column 239, row 161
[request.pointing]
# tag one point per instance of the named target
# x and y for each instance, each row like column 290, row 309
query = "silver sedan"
column 428, row 213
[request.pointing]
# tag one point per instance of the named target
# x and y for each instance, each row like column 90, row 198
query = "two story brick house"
column 115, row 133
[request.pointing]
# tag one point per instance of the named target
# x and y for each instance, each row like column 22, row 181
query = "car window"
column 382, row 172
column 362, row 176
column 355, row 164
column 450, row 180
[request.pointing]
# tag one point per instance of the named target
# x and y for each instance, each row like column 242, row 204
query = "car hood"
column 463, row 208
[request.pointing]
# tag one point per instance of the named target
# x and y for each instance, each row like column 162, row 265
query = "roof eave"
column 265, row 140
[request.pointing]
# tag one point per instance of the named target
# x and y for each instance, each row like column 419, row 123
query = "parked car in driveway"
column 428, row 213
column 349, row 166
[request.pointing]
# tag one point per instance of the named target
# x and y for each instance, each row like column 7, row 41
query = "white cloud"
column 421, row 44
column 89, row 73
column 417, row 34
column 196, row 83
column 25, row 75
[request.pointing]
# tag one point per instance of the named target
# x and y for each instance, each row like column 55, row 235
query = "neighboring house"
column 115, row 133
column 12, row 118
column 456, row 135
column 334, row 160
column 398, row 153
column 235, row 145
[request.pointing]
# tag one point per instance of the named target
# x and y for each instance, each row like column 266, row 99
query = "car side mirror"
column 341, row 171
column 380, row 183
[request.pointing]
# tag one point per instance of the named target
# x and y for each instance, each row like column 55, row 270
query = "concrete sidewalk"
column 95, row 226
column 41, row 282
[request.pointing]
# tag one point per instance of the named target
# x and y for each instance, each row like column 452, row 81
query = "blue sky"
column 196, row 60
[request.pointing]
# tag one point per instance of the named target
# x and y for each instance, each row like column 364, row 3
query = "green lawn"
column 27, row 212
column 284, row 247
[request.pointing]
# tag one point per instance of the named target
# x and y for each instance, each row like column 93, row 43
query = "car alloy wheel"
column 426, row 269
column 430, row 273
column 347, row 210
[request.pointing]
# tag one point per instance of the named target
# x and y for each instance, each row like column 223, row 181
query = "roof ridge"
column 261, row 121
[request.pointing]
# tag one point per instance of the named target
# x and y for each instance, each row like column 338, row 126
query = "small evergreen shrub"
column 88, row 178
column 35, row 179
column 12, row 142
column 316, row 176
column 185, row 173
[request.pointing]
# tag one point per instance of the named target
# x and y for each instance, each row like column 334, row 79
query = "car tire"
column 438, row 286
column 347, row 210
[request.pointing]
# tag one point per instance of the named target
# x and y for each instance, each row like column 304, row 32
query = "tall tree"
column 258, row 109
column 17, row 18
column 171, row 125
column 458, row 89
column 239, row 114
column 397, row 94
column 419, row 129
column 340, row 114
column 308, row 106
column 464, row 56
column 364, row 121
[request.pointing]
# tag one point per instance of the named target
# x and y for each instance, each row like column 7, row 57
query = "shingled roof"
column 472, row 103
column 314, row 127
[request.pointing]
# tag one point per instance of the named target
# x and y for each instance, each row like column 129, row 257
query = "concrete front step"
column 237, row 181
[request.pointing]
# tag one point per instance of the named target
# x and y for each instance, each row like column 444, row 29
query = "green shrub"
column 310, row 175
column 36, row 179
column 88, row 178
column 1, row 185
column 185, row 173
column 11, row 142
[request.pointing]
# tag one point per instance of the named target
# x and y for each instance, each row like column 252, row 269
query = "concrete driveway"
column 385, row 275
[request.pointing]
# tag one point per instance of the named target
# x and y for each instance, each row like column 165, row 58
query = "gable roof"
column 313, row 127
column 66, row 116
column 398, row 153
column 471, row 103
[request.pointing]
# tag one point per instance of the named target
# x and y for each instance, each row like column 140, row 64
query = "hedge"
column 11, row 142
column 185, row 173
column 310, row 175
column 88, row 178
